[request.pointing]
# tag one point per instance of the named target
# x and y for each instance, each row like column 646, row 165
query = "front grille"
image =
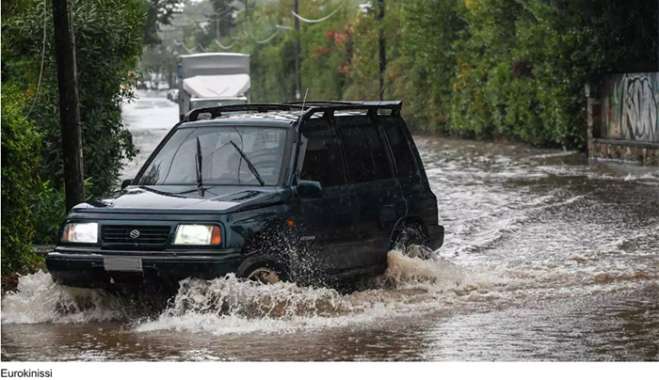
column 144, row 237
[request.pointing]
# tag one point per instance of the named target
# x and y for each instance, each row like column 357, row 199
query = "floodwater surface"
column 546, row 257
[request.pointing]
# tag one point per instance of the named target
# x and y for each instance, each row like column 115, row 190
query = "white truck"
column 212, row 79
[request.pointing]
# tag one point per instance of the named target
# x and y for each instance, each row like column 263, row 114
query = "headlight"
column 197, row 234
column 80, row 233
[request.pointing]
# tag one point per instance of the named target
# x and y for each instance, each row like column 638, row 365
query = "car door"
column 376, row 194
column 327, row 222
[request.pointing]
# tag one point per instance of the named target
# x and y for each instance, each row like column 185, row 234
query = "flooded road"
column 546, row 258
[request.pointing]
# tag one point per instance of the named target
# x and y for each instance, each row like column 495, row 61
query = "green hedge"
column 109, row 43
column 473, row 68
column 20, row 185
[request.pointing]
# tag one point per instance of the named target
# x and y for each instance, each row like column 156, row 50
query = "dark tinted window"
column 321, row 159
column 405, row 161
column 364, row 151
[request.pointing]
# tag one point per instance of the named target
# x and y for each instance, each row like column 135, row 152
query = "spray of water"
column 232, row 305
column 38, row 299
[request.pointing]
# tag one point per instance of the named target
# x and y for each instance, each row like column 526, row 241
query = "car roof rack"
column 217, row 111
column 308, row 107
column 356, row 103
column 371, row 105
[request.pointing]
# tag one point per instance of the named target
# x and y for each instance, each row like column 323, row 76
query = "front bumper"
column 89, row 270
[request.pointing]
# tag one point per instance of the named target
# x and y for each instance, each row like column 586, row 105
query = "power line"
column 277, row 29
column 312, row 21
column 224, row 47
column 43, row 60
column 268, row 39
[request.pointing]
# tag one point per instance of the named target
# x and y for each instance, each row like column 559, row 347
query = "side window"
column 405, row 161
column 364, row 151
column 321, row 158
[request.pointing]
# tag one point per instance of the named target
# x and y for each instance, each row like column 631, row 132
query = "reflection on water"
column 546, row 258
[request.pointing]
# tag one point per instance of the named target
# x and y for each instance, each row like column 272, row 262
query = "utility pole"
column 298, row 76
column 383, row 52
column 69, row 105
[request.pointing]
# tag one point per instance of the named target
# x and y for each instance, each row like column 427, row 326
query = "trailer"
column 212, row 79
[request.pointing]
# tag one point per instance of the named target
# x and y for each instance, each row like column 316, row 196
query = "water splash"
column 38, row 299
column 230, row 305
column 404, row 271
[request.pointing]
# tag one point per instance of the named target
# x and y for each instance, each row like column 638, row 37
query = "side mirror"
column 125, row 183
column 309, row 189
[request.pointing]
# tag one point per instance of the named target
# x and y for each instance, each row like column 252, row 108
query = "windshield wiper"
column 199, row 159
column 158, row 191
column 250, row 165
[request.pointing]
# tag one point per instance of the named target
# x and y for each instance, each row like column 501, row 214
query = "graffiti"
column 630, row 103
column 639, row 108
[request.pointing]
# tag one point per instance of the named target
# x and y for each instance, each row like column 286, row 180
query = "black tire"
column 265, row 270
column 264, row 275
column 413, row 241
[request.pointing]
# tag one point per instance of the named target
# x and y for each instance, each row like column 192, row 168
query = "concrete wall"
column 623, row 118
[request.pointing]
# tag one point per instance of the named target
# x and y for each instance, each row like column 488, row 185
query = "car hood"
column 163, row 198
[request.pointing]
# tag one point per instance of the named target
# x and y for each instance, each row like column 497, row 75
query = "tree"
column 109, row 43
column 160, row 12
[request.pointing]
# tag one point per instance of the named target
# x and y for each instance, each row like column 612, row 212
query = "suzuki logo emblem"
column 134, row 234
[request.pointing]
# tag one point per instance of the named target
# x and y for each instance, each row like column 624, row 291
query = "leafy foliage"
column 109, row 43
column 159, row 12
column 522, row 66
column 20, row 139
column 427, row 63
column 108, row 38
column 486, row 69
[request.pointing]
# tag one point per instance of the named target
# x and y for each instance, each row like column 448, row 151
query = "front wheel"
column 264, row 275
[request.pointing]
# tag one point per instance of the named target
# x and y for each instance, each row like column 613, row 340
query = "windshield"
column 229, row 156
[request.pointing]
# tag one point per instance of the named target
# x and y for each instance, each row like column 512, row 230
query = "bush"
column 109, row 43
column 522, row 66
column 50, row 207
column 20, row 185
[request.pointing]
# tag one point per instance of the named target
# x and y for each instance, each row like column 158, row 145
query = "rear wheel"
column 413, row 241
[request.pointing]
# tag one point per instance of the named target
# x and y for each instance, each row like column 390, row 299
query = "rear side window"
column 363, row 149
column 405, row 161
column 321, row 154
